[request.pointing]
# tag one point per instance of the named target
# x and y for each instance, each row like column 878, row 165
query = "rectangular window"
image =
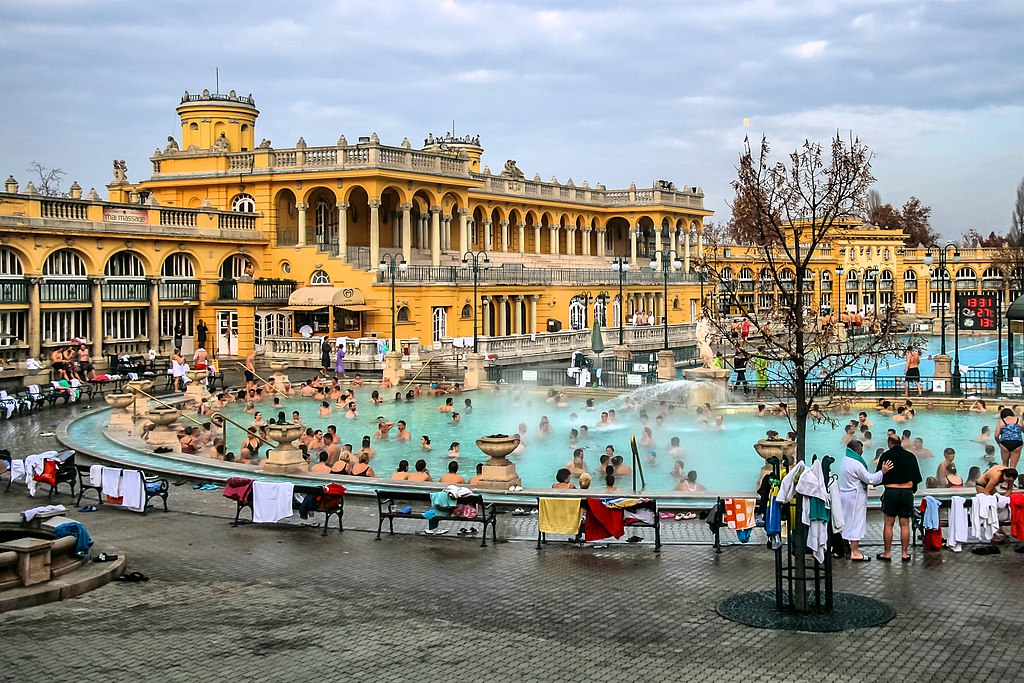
column 63, row 326
column 939, row 300
column 12, row 328
column 169, row 317
column 124, row 324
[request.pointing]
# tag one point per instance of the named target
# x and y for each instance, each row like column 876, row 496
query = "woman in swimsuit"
column 1009, row 437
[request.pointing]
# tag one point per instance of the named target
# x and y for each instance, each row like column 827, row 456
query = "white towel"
column 133, row 492
column 271, row 501
column 34, row 466
column 29, row 514
column 96, row 475
column 111, row 482
column 957, row 524
column 17, row 469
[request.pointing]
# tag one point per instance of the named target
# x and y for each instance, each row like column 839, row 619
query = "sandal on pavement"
column 104, row 557
column 862, row 558
column 883, row 558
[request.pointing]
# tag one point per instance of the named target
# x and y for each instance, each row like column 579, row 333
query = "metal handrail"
column 224, row 418
column 637, row 465
column 276, row 390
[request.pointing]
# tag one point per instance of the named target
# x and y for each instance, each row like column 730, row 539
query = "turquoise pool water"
column 724, row 459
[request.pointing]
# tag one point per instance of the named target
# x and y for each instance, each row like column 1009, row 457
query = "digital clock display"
column 977, row 312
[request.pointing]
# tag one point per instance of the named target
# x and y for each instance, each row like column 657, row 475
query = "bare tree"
column 799, row 209
column 49, row 180
column 1011, row 257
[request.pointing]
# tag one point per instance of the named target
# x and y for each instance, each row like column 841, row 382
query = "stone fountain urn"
column 498, row 472
column 280, row 369
column 195, row 391
column 163, row 433
column 121, row 402
column 783, row 449
column 284, row 458
column 136, row 387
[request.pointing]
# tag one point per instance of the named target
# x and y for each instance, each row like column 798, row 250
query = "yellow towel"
column 559, row 515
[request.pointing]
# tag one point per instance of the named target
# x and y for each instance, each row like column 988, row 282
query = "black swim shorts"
column 249, row 377
column 914, row 373
column 898, row 503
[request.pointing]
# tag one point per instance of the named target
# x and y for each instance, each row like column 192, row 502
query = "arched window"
column 177, row 265
column 319, row 277
column 577, row 313
column 467, row 312
column 234, row 267
column 993, row 272
column 440, row 317
column 910, row 276
column 124, row 264
column 243, row 203
column 675, row 304
column 64, row 262
column 10, row 263
column 403, row 314
column 746, row 274
column 725, row 275
column 600, row 308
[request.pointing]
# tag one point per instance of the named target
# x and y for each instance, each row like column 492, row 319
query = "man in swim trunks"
column 913, row 370
column 250, row 370
column 898, row 500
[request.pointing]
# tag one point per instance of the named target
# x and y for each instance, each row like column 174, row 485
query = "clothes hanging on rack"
column 1017, row 515
column 957, row 534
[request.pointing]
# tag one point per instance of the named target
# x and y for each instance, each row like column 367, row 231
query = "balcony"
column 13, row 290
column 227, row 290
column 267, row 289
column 516, row 274
column 64, row 292
column 178, row 290
column 117, row 290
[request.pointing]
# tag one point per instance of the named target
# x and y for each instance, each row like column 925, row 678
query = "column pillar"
column 423, row 228
column 531, row 308
column 153, row 314
column 521, row 229
column 464, row 242
column 342, row 228
column 301, row 237
column 514, row 321
column 396, row 229
column 435, row 235
column 472, row 237
column 485, row 317
column 35, row 320
column 504, row 235
column 96, row 322
column 554, row 239
column 570, row 241
column 502, row 317
column 488, row 236
column 446, row 233
column 673, row 243
column 406, row 208
column 586, row 241
column 374, row 232
column 686, row 251
column 536, row 239
column 700, row 244
column 632, row 247
column 601, row 236
column 657, row 239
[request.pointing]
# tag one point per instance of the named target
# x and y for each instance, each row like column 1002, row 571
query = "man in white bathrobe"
column 854, row 478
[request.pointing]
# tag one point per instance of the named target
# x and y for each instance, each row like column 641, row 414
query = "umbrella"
column 596, row 339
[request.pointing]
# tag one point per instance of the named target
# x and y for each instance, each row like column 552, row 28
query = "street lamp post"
column 621, row 266
column 393, row 264
column 665, row 261
column 702, row 272
column 477, row 259
column 839, row 295
column 873, row 272
column 943, row 253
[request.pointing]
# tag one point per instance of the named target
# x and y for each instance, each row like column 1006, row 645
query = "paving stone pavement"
column 282, row 603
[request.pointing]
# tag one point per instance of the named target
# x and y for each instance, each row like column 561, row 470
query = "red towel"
column 330, row 498
column 602, row 522
column 1017, row 515
column 49, row 473
column 239, row 489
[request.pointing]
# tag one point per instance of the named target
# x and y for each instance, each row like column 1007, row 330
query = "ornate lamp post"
column 479, row 260
column 665, row 261
column 702, row 270
column 944, row 253
column 392, row 264
column 621, row 266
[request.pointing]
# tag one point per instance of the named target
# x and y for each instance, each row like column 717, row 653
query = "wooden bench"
column 326, row 502
column 390, row 504
column 647, row 504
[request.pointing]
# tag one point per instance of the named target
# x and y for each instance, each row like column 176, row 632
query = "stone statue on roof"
column 511, row 171
column 172, row 144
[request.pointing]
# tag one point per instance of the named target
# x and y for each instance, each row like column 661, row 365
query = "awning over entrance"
column 322, row 297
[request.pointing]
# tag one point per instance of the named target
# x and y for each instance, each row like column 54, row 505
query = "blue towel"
column 773, row 525
column 743, row 535
column 931, row 512
column 78, row 531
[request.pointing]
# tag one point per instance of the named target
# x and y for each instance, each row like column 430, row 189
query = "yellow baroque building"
column 270, row 245
column 264, row 242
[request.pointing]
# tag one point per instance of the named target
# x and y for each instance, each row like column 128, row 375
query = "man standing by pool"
column 913, row 370
column 898, row 499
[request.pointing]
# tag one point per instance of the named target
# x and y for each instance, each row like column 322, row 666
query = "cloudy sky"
column 599, row 91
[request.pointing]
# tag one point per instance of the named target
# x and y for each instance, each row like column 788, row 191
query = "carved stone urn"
column 280, row 368
column 121, row 402
column 163, row 434
column 284, row 458
column 783, row 449
column 498, row 472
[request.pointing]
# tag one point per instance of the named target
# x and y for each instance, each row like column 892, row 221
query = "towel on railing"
column 239, row 489
column 739, row 513
column 602, row 522
column 84, row 541
column 271, row 501
column 559, row 515
column 110, row 479
column 618, row 503
column 96, row 475
column 133, row 492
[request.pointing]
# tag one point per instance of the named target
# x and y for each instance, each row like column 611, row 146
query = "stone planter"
column 119, row 399
column 137, row 386
column 284, row 433
column 784, row 450
column 121, row 415
column 285, row 458
column 498, row 472
column 280, row 370
column 163, row 434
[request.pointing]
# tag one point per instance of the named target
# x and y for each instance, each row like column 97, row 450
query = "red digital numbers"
column 976, row 312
